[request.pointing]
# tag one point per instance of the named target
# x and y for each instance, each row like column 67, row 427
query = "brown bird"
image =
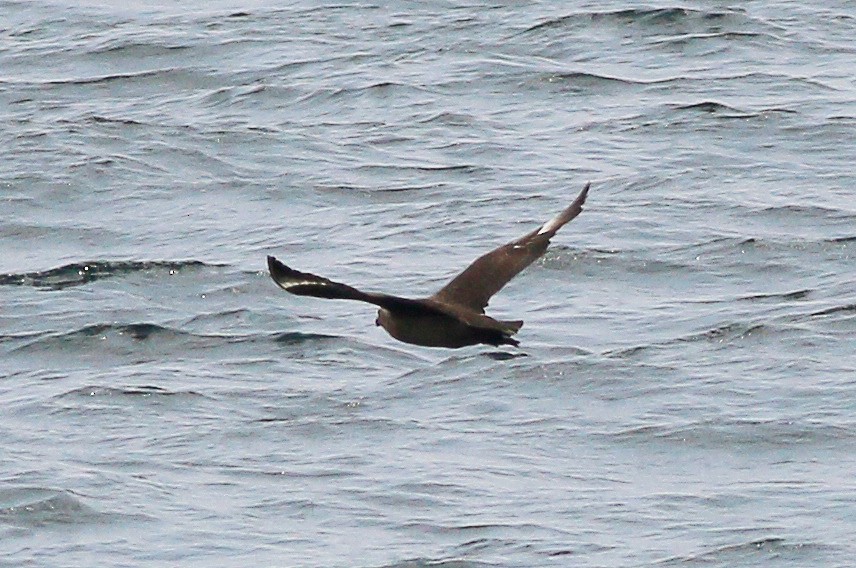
column 454, row 316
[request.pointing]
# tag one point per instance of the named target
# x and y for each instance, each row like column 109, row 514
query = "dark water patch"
column 100, row 119
column 776, row 296
column 812, row 212
column 100, row 164
column 686, row 40
column 763, row 551
column 845, row 309
column 724, row 334
column 849, row 120
column 776, row 110
column 138, row 331
column 729, row 332
column 503, row 355
column 134, row 337
column 589, row 79
column 109, row 396
column 383, row 86
column 440, row 168
column 142, row 391
column 449, row 119
column 39, row 507
column 79, row 273
column 81, row 337
column 104, row 79
column 643, row 17
column 146, row 339
column 226, row 96
column 712, row 107
column 559, row 550
column 739, row 434
column 832, row 323
column 583, row 82
column 24, row 336
column 302, row 473
column 299, row 338
column 126, row 47
column 633, row 352
column 429, row 563
column 348, row 190
column 761, row 297
column 775, row 80
column 143, row 339
column 219, row 316
column 379, row 90
column 838, row 240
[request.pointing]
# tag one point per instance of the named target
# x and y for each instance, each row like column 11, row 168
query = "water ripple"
column 79, row 273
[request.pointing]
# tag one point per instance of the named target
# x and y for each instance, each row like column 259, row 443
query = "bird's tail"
column 511, row 327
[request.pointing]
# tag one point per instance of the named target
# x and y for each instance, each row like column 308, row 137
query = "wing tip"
column 583, row 194
column 574, row 209
column 273, row 264
column 279, row 271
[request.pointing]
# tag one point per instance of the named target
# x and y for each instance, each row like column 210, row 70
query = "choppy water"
column 688, row 392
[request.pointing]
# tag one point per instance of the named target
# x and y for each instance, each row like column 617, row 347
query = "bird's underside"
column 454, row 316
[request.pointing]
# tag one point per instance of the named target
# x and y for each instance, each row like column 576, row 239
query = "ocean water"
column 685, row 389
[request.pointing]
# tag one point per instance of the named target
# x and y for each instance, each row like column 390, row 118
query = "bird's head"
column 382, row 318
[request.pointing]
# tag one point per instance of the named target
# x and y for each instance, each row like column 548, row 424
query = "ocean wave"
column 298, row 337
column 648, row 17
column 125, row 336
column 429, row 563
column 684, row 40
column 730, row 332
column 102, row 79
column 812, row 212
column 774, row 297
column 560, row 257
column 782, row 432
column 724, row 334
column 584, row 78
column 144, row 391
column 405, row 167
column 79, row 273
column 40, row 507
column 113, row 333
column 714, row 107
column 763, row 549
column 843, row 309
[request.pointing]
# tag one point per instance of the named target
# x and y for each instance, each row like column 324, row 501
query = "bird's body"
column 454, row 316
column 441, row 330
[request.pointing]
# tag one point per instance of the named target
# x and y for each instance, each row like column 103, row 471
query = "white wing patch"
column 292, row 283
column 552, row 225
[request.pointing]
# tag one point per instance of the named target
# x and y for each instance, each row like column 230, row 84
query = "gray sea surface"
column 685, row 389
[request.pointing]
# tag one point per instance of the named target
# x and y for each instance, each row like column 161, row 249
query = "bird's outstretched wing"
column 486, row 276
column 306, row 284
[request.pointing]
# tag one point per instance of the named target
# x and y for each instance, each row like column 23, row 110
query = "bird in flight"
column 453, row 317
